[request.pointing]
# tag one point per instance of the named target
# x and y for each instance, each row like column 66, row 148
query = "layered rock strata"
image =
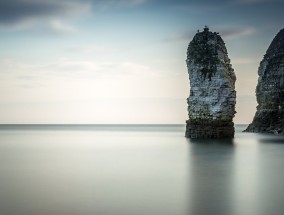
column 269, row 117
column 211, row 104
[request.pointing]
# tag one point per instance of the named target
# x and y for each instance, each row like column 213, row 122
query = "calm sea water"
column 137, row 170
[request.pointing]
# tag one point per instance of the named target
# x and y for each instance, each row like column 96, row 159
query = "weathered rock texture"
column 269, row 117
column 211, row 104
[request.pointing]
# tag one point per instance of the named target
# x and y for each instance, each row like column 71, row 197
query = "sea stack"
column 269, row 117
column 212, row 99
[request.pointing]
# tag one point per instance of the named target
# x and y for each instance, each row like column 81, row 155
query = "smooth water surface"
column 137, row 170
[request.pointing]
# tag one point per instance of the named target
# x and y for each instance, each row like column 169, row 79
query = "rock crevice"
column 212, row 99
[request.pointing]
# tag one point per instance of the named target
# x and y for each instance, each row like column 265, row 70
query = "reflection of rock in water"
column 269, row 117
column 211, row 104
column 211, row 178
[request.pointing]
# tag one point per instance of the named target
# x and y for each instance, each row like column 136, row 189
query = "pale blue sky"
column 123, row 61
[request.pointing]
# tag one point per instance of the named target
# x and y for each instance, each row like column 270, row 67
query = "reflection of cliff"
column 211, row 104
column 269, row 117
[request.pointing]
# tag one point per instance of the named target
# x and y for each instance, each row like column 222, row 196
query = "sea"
column 137, row 170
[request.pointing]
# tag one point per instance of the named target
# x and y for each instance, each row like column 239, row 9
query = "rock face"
column 211, row 104
column 269, row 117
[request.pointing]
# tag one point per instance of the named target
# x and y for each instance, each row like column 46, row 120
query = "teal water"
column 137, row 170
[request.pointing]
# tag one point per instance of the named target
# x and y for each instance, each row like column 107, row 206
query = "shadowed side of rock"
column 212, row 99
column 269, row 117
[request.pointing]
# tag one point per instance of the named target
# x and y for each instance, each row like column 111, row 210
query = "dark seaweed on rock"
column 201, row 51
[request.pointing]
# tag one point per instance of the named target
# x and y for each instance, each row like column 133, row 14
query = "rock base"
column 209, row 129
column 267, row 121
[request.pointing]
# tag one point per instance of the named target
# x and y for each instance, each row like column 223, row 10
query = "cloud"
column 199, row 8
column 46, row 15
column 180, row 37
column 70, row 69
column 135, row 68
column 13, row 12
column 133, row 2
column 12, row 69
column 227, row 33
column 247, row 2
column 236, row 33
column 85, row 69
column 106, row 4
column 41, row 27
column 59, row 27
column 90, row 49
column 214, row 5
column 21, row 14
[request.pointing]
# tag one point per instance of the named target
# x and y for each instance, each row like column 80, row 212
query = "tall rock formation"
column 211, row 104
column 269, row 117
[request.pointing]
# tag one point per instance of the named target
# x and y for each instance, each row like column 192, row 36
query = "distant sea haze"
column 137, row 169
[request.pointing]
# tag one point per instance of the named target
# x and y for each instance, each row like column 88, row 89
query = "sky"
column 121, row 61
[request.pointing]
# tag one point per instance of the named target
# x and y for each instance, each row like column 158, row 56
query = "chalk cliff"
column 269, row 117
column 212, row 99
